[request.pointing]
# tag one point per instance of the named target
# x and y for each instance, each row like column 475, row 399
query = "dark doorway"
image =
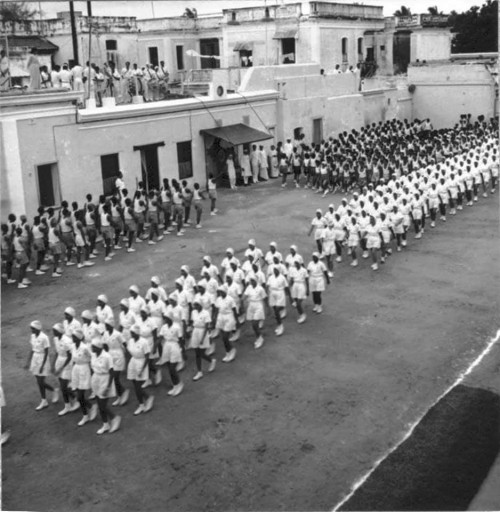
column 150, row 170
column 288, row 50
column 370, row 54
column 179, row 52
column 209, row 47
column 317, row 130
column 153, row 55
column 48, row 184
column 110, row 167
column 401, row 51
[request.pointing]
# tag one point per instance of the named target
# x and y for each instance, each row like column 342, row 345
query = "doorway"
column 209, row 47
column 401, row 51
column 48, row 185
column 317, row 130
column 153, row 55
column 150, row 170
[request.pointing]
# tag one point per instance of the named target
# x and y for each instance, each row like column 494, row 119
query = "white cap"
column 58, row 327
column 251, row 241
column 185, row 268
column 102, row 298
column 36, row 324
column 110, row 321
column 135, row 329
column 70, row 311
column 230, row 251
column 273, row 244
column 207, row 258
column 134, row 288
column 87, row 314
column 155, row 280
column 96, row 342
column 124, row 302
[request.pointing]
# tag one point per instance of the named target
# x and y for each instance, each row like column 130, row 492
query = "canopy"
column 243, row 45
column 40, row 44
column 237, row 134
column 285, row 33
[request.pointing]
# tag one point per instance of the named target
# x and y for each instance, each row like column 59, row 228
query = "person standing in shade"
column 231, row 171
column 263, row 164
column 254, row 163
column 38, row 363
column 212, row 194
column 246, row 170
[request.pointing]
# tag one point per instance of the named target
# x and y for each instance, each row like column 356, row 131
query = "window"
column 246, row 58
column 111, row 45
column 153, row 55
column 382, row 48
column 288, row 50
column 345, row 57
column 48, row 185
column 317, row 130
column 184, row 160
column 233, row 16
column 110, row 166
column 209, row 47
column 179, row 51
column 266, row 12
column 360, row 48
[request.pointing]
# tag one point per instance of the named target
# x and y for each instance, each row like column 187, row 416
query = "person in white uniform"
column 299, row 287
column 39, row 365
column 103, row 385
column 317, row 225
column 226, row 316
column 81, row 376
column 318, row 275
column 200, row 341
column 255, row 296
column 138, row 368
column 170, row 336
column 115, row 341
column 277, row 286
column 63, row 345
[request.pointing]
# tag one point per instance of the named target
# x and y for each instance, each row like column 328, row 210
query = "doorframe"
column 322, row 119
column 156, row 145
column 56, row 183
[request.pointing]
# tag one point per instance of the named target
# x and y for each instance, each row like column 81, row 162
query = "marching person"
column 226, row 316
column 138, row 368
column 255, row 296
column 115, row 342
column 299, row 285
column 63, row 345
column 38, row 363
column 170, row 337
column 103, row 385
column 80, row 376
column 317, row 225
column 317, row 277
column 200, row 341
column 277, row 286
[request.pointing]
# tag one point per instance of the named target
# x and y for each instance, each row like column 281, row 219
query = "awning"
column 285, row 33
column 37, row 43
column 237, row 134
column 239, row 46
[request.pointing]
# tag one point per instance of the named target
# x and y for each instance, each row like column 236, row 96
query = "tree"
column 403, row 11
column 434, row 10
column 476, row 29
column 16, row 11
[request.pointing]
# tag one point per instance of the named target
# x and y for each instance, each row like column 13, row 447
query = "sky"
column 162, row 8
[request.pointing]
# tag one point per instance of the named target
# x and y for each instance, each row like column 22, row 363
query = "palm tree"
column 403, row 11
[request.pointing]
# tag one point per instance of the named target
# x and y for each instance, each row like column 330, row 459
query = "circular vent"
column 220, row 90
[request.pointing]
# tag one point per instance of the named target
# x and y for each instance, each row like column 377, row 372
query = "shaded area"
column 443, row 464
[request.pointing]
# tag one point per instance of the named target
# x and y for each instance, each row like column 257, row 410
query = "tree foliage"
column 16, row 11
column 434, row 10
column 476, row 29
column 403, row 11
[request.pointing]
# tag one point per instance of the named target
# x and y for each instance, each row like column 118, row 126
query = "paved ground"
column 289, row 427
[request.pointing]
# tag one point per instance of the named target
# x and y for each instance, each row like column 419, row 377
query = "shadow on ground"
column 445, row 461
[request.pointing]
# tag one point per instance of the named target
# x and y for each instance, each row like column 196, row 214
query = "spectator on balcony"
column 45, row 78
column 89, row 79
column 126, row 75
column 100, row 85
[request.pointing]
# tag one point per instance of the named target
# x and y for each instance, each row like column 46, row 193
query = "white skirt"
column 255, row 311
column 298, row 291
column 171, row 352
column 99, row 384
column 373, row 243
column 80, row 376
column 66, row 373
column 198, row 340
column 226, row 322
column 118, row 360
column 329, row 248
column 277, row 298
column 36, row 362
column 317, row 284
column 134, row 370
